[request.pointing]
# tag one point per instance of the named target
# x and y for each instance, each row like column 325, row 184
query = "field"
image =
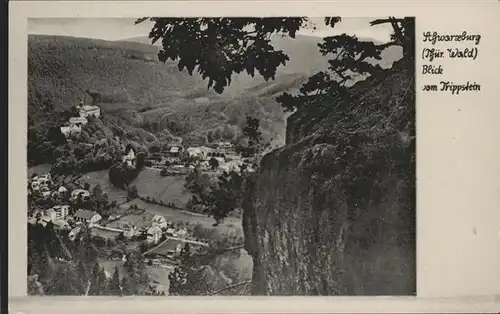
column 164, row 189
column 231, row 224
column 102, row 178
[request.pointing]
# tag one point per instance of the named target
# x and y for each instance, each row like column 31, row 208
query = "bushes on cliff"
column 215, row 40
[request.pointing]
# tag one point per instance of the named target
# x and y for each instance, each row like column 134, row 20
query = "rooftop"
column 154, row 229
column 83, row 213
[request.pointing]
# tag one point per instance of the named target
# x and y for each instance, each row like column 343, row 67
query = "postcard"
column 284, row 157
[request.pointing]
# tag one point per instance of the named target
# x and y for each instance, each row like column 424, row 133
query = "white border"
column 451, row 150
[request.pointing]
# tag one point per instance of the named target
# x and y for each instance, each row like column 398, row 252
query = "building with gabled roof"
column 87, row 216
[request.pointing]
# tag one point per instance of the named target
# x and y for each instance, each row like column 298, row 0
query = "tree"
column 219, row 47
column 64, row 281
column 97, row 191
column 154, row 149
column 188, row 278
column 34, row 286
column 114, row 287
column 98, row 281
column 55, row 136
column 132, row 192
column 83, row 275
column 251, row 130
column 250, row 143
column 137, row 279
column 223, row 197
column 214, row 163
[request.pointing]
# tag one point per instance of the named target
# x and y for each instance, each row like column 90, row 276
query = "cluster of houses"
column 74, row 124
column 59, row 214
column 42, row 185
column 154, row 231
column 223, row 152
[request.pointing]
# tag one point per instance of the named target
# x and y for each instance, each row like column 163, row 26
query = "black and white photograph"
column 221, row 156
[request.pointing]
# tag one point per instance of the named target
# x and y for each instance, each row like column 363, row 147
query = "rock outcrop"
column 333, row 211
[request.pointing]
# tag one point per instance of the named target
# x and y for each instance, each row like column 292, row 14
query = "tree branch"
column 383, row 21
column 88, row 288
column 386, row 45
column 230, row 286
column 140, row 20
column 397, row 29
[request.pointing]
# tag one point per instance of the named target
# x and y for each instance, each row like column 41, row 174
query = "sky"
column 124, row 28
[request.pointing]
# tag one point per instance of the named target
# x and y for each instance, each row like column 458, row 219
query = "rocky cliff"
column 333, row 211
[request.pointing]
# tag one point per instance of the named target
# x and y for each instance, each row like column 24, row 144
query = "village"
column 71, row 202
column 178, row 160
column 161, row 239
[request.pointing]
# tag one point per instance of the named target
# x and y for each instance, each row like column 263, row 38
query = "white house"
column 72, row 129
column 79, row 192
column 181, row 232
column 87, row 111
column 129, row 157
column 38, row 182
column 235, row 165
column 78, row 120
column 62, row 190
column 61, row 211
column 74, row 233
column 170, row 232
column 159, row 221
column 44, row 190
column 153, row 235
column 46, row 177
column 87, row 216
column 35, row 185
column 195, row 152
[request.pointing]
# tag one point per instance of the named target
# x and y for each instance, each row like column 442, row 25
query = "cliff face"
column 333, row 211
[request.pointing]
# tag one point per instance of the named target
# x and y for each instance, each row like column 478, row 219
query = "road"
column 177, row 239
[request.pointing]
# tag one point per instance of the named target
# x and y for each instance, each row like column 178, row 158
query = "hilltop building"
column 78, row 121
column 86, row 111
column 72, row 129
column 89, row 111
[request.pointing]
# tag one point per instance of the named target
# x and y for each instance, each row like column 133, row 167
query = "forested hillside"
column 148, row 101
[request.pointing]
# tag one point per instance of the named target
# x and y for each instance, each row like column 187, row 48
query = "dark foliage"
column 219, row 47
